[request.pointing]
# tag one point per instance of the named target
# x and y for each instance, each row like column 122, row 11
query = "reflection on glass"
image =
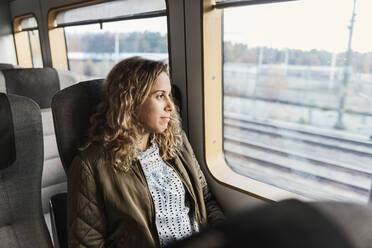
column 93, row 51
column 297, row 96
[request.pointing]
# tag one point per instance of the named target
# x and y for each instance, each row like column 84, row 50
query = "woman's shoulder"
column 89, row 156
column 93, row 153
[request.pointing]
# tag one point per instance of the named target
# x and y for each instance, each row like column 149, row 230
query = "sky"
column 303, row 24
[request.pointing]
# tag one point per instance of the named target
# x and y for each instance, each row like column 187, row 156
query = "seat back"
column 21, row 164
column 7, row 66
column 72, row 108
column 40, row 84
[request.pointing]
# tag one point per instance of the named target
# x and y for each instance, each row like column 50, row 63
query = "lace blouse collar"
column 150, row 150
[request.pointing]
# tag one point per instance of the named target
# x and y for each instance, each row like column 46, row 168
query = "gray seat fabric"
column 7, row 66
column 21, row 218
column 72, row 108
column 40, row 84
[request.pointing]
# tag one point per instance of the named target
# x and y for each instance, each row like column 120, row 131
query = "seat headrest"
column 39, row 84
column 7, row 141
column 177, row 97
column 72, row 108
column 6, row 66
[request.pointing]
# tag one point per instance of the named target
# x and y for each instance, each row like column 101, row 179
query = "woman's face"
column 154, row 113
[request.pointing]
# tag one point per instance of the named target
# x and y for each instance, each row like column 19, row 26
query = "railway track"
column 350, row 176
column 311, row 137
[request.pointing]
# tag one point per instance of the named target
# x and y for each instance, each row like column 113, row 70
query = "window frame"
column 57, row 38
column 22, row 41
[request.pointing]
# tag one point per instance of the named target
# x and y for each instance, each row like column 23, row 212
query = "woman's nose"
column 170, row 106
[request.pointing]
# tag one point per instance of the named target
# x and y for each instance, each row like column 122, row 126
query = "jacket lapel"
column 187, row 174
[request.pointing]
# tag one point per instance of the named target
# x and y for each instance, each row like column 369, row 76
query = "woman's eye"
column 160, row 96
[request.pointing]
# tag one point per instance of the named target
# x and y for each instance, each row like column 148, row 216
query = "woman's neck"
column 143, row 142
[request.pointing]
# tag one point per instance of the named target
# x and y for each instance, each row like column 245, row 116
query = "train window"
column 26, row 36
column 93, row 51
column 100, row 35
column 297, row 92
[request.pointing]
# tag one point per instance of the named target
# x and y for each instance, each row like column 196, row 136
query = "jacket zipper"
column 152, row 202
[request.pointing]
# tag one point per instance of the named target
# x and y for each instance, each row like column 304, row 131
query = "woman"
column 136, row 183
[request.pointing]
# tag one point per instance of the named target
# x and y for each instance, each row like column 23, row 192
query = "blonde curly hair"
column 115, row 124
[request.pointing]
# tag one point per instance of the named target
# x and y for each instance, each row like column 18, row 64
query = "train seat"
column 21, row 164
column 7, row 66
column 71, row 109
column 40, row 84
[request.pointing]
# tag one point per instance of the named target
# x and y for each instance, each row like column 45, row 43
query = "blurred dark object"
column 287, row 224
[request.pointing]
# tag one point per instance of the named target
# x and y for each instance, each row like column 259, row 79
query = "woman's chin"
column 162, row 130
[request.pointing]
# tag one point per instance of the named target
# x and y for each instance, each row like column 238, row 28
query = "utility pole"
column 347, row 72
column 258, row 70
column 117, row 48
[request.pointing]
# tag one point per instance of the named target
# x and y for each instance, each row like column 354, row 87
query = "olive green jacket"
column 108, row 209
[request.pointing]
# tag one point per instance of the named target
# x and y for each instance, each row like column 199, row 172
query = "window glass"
column 297, row 96
column 37, row 60
column 28, row 23
column 93, row 51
